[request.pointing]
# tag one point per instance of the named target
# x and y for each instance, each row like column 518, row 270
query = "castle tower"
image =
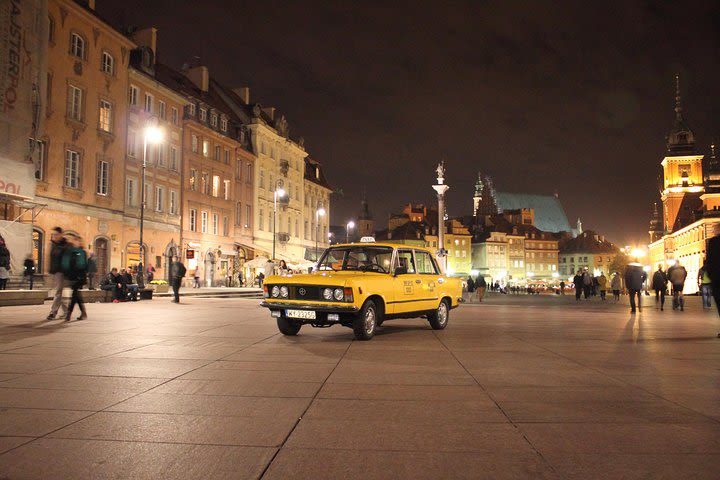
column 365, row 223
column 682, row 173
column 656, row 231
column 477, row 196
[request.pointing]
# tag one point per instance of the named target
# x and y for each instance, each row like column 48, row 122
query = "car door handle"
column 418, row 281
column 441, row 280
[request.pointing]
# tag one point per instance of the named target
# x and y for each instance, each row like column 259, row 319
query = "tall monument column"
column 441, row 188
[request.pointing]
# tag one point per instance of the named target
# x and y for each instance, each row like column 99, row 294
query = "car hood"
column 324, row 277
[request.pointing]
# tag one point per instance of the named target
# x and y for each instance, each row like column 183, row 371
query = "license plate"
column 306, row 314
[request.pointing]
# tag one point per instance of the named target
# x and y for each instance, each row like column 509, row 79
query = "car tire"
column 288, row 327
column 439, row 318
column 365, row 324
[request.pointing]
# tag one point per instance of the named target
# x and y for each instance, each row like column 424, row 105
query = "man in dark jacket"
column 578, row 282
column 74, row 268
column 131, row 287
column 178, row 272
column 677, row 275
column 659, row 284
column 29, row 270
column 59, row 244
column 712, row 264
column 92, row 271
column 115, row 283
column 635, row 276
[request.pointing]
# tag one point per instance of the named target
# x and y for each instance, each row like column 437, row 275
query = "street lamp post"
column 320, row 212
column 441, row 188
column 278, row 193
column 349, row 225
column 152, row 135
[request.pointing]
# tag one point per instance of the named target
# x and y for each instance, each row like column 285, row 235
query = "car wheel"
column 439, row 318
column 365, row 323
column 288, row 327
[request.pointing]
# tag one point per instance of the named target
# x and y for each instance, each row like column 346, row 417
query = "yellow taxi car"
column 360, row 285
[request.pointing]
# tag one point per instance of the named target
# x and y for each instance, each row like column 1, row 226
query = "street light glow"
column 638, row 252
column 351, row 224
column 153, row 134
column 280, row 192
column 321, row 212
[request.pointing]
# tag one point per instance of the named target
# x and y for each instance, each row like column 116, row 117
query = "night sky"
column 546, row 97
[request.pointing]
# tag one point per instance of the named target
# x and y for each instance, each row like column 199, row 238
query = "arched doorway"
column 132, row 255
column 38, row 250
column 100, row 247
column 170, row 251
column 209, row 268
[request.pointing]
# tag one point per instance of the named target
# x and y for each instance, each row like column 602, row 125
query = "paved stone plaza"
column 514, row 388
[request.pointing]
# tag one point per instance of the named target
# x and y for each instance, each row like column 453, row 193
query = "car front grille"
column 304, row 292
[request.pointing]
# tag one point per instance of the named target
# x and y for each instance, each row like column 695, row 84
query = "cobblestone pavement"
column 513, row 388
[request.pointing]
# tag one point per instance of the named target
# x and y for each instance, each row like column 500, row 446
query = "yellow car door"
column 407, row 286
column 430, row 280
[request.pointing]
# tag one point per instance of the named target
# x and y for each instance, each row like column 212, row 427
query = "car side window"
column 404, row 258
column 425, row 265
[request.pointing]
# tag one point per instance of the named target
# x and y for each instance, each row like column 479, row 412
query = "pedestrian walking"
column 196, row 278
column 578, row 283
column 587, row 282
column 562, row 287
column 616, row 286
column 480, row 287
column 150, row 273
column 260, row 278
column 92, row 271
column 4, row 264
column 677, row 275
column 635, row 276
column 602, row 282
column 470, row 284
column 705, row 285
column 712, row 265
column 178, row 272
column 29, row 270
column 74, row 268
column 57, row 249
column 659, row 284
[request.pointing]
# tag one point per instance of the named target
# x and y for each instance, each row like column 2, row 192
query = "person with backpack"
column 58, row 246
column 705, row 285
column 178, row 272
column 74, row 269
column 677, row 275
column 659, row 284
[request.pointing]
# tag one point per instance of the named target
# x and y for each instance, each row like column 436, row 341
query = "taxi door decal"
column 408, row 287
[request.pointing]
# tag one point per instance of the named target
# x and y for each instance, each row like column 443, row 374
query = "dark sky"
column 567, row 97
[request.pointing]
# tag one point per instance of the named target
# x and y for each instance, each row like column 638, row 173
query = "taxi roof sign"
column 367, row 240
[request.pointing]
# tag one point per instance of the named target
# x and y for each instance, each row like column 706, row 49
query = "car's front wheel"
column 287, row 326
column 366, row 322
column 439, row 318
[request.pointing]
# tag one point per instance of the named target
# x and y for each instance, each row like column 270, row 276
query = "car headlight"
column 275, row 293
column 327, row 294
column 338, row 294
column 284, row 291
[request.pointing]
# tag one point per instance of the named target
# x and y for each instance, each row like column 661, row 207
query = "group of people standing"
column 675, row 276
column 476, row 287
column 588, row 286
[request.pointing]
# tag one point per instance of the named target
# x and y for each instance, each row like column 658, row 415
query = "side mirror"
column 400, row 271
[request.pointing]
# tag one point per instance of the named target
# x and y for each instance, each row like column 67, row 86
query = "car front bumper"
column 318, row 307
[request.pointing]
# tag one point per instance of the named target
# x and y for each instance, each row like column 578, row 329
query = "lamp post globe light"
column 320, row 212
column 278, row 193
column 350, row 225
column 152, row 134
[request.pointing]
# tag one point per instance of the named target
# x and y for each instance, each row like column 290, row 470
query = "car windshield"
column 363, row 258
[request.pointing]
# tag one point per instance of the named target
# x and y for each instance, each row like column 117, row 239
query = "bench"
column 22, row 297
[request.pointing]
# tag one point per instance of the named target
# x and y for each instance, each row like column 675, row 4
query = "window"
column 226, row 226
column 103, row 172
column 223, row 124
column 404, row 259
column 193, row 220
column 173, row 158
column 213, row 120
column 77, row 46
column 260, row 220
column 160, row 154
column 51, row 38
column 215, row 185
column 147, row 193
column 161, row 110
column 105, row 116
column 107, row 63
column 425, row 264
column 262, row 149
column 159, row 197
column 206, row 148
column 191, row 109
column 203, row 115
column 262, row 178
column 249, row 176
column 216, row 155
column 203, row 221
column 238, row 170
column 38, row 148
column 130, row 191
column 215, row 223
column 133, row 95
column 193, row 179
column 238, row 213
column 227, row 157
column 248, row 215
column 72, row 169
column 173, row 202
column 149, row 102
column 305, row 229
column 297, row 228
column 75, row 103
column 194, row 143
column 206, row 183
column 226, row 189
column 174, row 115
column 132, row 144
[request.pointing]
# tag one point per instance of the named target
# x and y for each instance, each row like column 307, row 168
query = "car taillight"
column 348, row 294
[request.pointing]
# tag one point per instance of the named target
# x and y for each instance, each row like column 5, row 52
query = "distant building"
column 587, row 250
column 690, row 195
column 549, row 213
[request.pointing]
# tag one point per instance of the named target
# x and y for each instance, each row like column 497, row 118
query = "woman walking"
column 616, row 286
column 4, row 264
column 74, row 267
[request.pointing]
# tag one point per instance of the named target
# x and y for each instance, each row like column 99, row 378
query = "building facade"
column 587, row 250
